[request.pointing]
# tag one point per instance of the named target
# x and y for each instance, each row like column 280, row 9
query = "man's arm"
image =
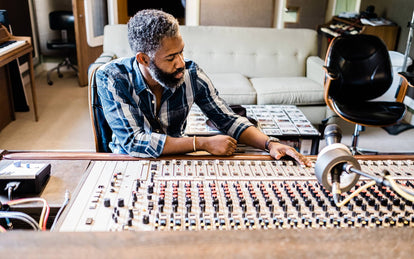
column 220, row 145
column 239, row 127
column 255, row 138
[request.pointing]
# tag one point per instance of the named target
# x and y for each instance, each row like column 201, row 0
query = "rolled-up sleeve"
column 217, row 110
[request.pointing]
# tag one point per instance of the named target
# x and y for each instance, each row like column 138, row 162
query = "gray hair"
column 147, row 28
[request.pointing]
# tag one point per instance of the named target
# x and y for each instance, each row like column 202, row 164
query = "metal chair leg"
column 66, row 62
column 355, row 150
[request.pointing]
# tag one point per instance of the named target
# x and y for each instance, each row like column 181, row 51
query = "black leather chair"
column 358, row 70
column 102, row 131
column 63, row 21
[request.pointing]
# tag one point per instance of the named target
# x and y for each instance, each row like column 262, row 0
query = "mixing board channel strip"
column 195, row 195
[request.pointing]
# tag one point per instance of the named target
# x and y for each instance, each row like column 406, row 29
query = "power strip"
column 31, row 177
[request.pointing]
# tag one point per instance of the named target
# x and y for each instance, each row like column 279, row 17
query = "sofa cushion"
column 234, row 88
column 288, row 90
column 252, row 52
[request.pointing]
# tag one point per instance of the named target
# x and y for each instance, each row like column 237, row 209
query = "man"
column 146, row 98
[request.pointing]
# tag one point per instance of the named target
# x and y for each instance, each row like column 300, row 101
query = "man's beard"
column 165, row 79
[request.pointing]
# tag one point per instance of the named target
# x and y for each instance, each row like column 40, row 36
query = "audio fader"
column 210, row 194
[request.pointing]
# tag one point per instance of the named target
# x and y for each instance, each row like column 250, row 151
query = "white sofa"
column 248, row 65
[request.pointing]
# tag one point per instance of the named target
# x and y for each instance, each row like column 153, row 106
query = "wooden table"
column 289, row 243
column 14, row 54
column 68, row 168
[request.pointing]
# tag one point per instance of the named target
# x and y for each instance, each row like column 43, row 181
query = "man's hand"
column 219, row 145
column 278, row 150
column 255, row 138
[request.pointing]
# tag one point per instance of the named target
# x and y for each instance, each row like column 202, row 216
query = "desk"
column 334, row 243
column 15, row 53
column 347, row 242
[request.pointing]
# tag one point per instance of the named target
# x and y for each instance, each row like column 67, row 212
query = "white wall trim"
column 192, row 12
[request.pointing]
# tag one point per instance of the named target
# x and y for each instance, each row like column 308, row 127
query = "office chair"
column 358, row 70
column 102, row 131
column 64, row 22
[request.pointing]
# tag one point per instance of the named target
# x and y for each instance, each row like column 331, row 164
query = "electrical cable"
column 45, row 211
column 8, row 223
column 64, row 204
column 10, row 187
column 404, row 193
column 9, row 192
column 355, row 193
column 20, row 216
column 336, row 158
column 409, row 192
column 27, row 219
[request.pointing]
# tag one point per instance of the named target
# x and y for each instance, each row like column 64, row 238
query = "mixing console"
column 199, row 195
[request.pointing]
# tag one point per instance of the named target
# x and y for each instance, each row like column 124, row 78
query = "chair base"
column 355, row 150
column 398, row 128
column 362, row 151
column 66, row 62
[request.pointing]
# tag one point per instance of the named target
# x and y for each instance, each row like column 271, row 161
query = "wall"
column 255, row 13
column 42, row 9
column 399, row 11
column 247, row 13
column 310, row 13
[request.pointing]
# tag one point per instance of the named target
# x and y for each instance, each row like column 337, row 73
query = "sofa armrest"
column 314, row 69
column 102, row 59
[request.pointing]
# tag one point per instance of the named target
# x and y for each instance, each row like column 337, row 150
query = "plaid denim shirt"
column 130, row 107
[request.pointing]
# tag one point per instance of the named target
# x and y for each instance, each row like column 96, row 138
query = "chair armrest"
column 102, row 59
column 314, row 69
column 409, row 76
column 330, row 76
column 331, row 72
column 408, row 81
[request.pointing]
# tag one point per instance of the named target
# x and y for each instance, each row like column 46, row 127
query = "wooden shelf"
column 388, row 33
